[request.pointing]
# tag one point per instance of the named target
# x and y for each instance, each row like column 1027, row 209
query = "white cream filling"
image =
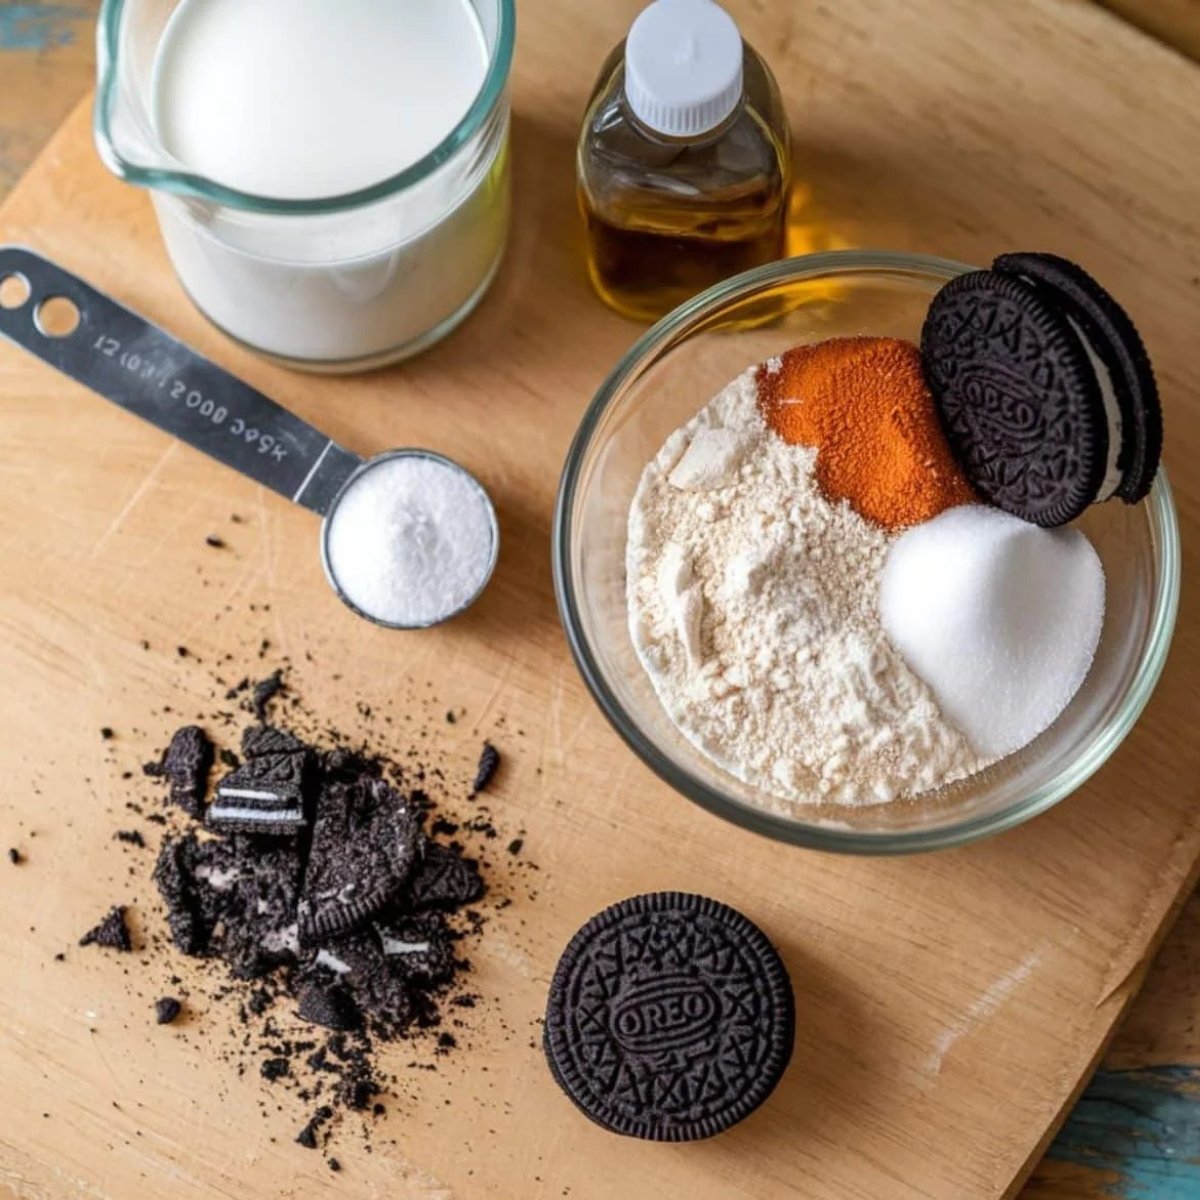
column 331, row 962
column 247, row 794
column 287, row 938
column 393, row 945
column 265, row 816
column 218, row 880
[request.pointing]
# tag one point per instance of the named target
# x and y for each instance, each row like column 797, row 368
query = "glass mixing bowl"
column 668, row 375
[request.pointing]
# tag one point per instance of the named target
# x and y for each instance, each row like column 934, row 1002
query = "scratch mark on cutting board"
column 38, row 26
column 134, row 500
column 980, row 1010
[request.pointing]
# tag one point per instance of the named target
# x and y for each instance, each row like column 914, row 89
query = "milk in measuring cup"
column 307, row 100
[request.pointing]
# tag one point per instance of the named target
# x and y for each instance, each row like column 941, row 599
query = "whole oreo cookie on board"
column 1115, row 341
column 670, row 1018
column 1019, row 400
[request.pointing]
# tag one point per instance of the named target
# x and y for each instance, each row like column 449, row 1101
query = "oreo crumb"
column 514, row 847
column 112, row 932
column 330, row 1007
column 489, row 761
column 185, row 764
column 131, row 837
column 106, row 733
column 265, row 690
column 334, row 1165
column 14, row 856
column 275, row 1068
column 166, row 1010
column 182, row 651
column 215, row 542
column 307, row 1137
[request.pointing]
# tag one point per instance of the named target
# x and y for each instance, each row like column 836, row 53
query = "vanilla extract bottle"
column 683, row 162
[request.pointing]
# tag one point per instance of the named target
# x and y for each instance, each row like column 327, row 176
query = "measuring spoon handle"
column 145, row 371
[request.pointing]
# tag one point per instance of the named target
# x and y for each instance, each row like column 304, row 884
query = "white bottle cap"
column 683, row 66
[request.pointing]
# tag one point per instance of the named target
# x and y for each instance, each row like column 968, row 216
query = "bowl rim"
column 642, row 354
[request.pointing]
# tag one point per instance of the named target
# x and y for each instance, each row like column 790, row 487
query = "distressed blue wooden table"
column 1135, row 1132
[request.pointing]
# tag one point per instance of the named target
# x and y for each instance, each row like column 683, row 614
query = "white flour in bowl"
column 753, row 605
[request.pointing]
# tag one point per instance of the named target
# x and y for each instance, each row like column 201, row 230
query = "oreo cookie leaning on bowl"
column 670, row 1018
column 1122, row 365
column 1024, row 362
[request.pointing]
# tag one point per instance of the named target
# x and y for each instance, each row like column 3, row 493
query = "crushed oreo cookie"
column 275, row 1068
column 330, row 1006
column 489, row 762
column 445, row 879
column 166, row 1009
column 185, row 765
column 366, row 842
column 14, row 856
column 349, row 918
column 112, row 933
column 264, row 692
column 263, row 796
column 307, row 1137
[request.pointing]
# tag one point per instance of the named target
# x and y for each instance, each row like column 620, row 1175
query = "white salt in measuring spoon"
column 121, row 356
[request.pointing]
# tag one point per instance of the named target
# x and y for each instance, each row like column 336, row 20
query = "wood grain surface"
column 1087, row 886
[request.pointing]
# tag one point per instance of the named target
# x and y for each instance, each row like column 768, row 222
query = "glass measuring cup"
column 332, row 284
column 122, row 357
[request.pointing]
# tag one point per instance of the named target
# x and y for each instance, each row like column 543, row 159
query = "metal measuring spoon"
column 91, row 338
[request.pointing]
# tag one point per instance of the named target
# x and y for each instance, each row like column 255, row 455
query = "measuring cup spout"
column 127, row 34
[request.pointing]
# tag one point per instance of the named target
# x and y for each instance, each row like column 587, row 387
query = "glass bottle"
column 683, row 161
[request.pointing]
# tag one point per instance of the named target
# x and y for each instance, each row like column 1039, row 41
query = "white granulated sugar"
column 753, row 605
column 999, row 617
column 411, row 541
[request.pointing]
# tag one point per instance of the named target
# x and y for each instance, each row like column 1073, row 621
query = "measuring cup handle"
column 145, row 371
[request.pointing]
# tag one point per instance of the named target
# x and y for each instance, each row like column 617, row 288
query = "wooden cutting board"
column 950, row 1005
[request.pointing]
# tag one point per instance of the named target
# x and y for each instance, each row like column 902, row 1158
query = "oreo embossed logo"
column 670, row 1017
column 666, row 1014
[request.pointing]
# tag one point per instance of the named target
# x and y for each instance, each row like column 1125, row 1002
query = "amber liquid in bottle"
column 666, row 218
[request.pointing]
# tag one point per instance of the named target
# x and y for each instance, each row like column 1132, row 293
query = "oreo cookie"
column 185, row 764
column 670, row 1018
column 258, row 740
column 366, row 842
column 1043, row 387
column 1113, row 338
column 265, row 795
column 444, row 880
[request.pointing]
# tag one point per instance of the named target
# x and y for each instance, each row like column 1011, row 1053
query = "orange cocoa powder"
column 862, row 402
